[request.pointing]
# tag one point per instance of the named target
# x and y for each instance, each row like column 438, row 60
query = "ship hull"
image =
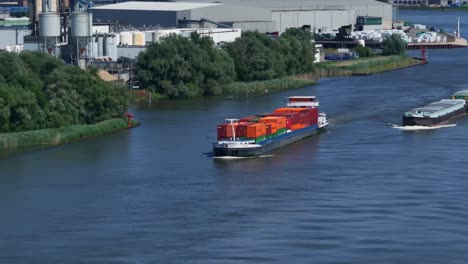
column 268, row 145
column 427, row 121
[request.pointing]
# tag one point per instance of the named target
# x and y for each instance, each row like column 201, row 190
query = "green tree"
column 184, row 67
column 393, row 45
column 37, row 91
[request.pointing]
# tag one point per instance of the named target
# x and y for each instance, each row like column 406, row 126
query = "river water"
column 363, row 192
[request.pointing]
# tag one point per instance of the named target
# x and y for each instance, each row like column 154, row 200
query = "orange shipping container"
column 297, row 126
column 280, row 121
column 256, row 130
column 290, row 109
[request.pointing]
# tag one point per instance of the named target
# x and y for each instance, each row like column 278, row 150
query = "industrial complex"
column 83, row 32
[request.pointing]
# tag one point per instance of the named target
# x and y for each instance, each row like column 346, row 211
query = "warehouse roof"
column 156, row 6
column 299, row 4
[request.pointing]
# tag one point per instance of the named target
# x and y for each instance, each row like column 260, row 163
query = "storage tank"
column 111, row 42
column 105, row 46
column 37, row 8
column 90, row 23
column 80, row 24
column 138, row 38
column 362, row 42
column 53, row 6
column 126, row 38
column 100, row 43
column 49, row 25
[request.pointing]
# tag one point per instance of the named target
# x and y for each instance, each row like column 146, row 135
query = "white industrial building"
column 261, row 15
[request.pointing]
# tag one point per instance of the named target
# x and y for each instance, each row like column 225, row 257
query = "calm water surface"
column 361, row 193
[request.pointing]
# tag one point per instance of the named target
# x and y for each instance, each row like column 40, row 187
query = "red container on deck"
column 271, row 128
column 241, row 130
column 226, row 130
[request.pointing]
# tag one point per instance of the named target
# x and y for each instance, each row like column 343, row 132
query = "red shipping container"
column 271, row 128
column 241, row 130
column 226, row 130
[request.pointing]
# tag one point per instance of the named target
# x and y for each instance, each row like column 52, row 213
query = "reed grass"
column 58, row 136
column 376, row 64
column 243, row 89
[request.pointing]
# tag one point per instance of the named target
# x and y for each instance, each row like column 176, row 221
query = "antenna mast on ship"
column 458, row 27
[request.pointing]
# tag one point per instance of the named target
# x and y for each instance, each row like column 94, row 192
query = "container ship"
column 434, row 114
column 259, row 134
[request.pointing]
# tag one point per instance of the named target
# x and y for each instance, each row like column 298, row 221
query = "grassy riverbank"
column 59, row 136
column 372, row 65
column 361, row 66
column 246, row 89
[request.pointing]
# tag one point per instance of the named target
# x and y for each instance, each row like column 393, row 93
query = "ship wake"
column 420, row 128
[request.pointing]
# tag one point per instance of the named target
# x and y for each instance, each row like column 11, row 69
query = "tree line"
column 189, row 67
column 38, row 91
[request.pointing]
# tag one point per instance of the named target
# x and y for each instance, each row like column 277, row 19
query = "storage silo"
column 100, row 43
column 126, row 38
column 111, row 42
column 37, row 8
column 138, row 38
column 49, row 25
column 105, row 46
column 53, row 6
column 80, row 25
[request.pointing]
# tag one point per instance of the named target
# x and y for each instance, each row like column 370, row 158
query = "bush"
column 38, row 91
column 393, row 45
column 364, row 51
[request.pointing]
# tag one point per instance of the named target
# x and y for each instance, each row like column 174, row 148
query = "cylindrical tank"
column 49, row 25
column 138, row 38
column 111, row 46
column 126, row 38
column 107, row 39
column 53, row 6
column 100, row 41
column 362, row 42
column 90, row 23
column 37, row 8
column 80, row 24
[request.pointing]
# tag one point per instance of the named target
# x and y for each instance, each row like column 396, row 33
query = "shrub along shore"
column 59, row 136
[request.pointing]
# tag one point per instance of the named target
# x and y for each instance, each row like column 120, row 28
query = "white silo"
column 49, row 31
column 53, row 6
column 139, row 38
column 49, row 25
column 100, row 43
column 105, row 46
column 111, row 46
column 362, row 42
column 126, row 38
column 37, row 8
column 80, row 25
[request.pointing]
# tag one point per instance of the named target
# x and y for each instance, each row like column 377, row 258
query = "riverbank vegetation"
column 58, row 136
column 254, row 64
column 179, row 67
column 38, row 91
column 371, row 65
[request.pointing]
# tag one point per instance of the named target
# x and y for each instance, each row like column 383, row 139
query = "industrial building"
column 261, row 15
